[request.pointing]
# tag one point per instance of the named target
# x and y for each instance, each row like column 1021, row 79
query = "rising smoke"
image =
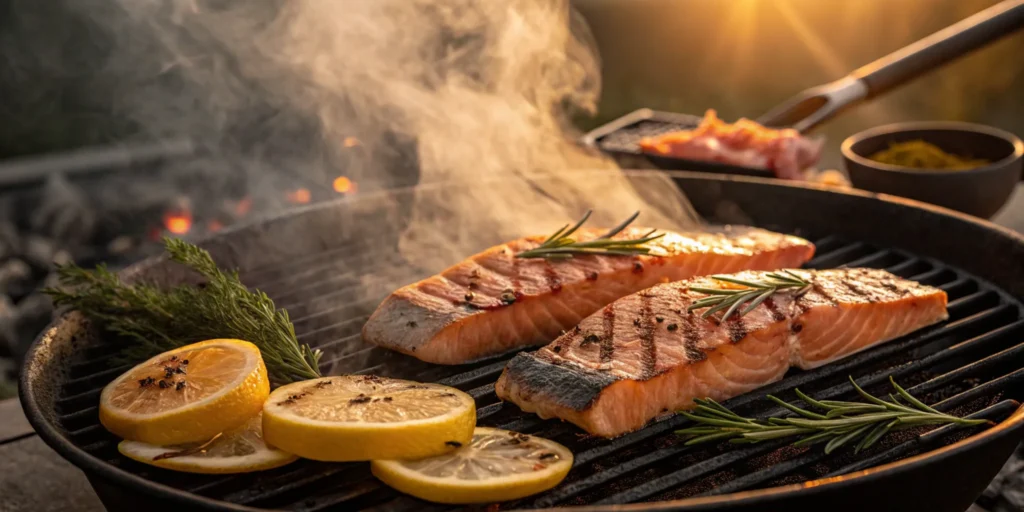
column 476, row 92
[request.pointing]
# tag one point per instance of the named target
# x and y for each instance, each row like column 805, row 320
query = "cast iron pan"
column 813, row 106
column 946, row 479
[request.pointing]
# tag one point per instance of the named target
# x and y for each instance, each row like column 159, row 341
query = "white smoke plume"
column 477, row 92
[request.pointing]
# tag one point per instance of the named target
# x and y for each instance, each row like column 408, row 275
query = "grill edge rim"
column 44, row 425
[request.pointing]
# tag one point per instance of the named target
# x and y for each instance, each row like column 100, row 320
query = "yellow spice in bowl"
column 918, row 154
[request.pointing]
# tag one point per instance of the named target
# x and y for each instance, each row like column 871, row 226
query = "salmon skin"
column 646, row 354
column 495, row 302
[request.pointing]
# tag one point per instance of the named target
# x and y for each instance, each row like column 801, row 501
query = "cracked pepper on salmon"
column 646, row 354
column 494, row 302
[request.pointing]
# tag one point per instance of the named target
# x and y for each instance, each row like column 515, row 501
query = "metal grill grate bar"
column 978, row 341
column 657, row 486
column 996, row 412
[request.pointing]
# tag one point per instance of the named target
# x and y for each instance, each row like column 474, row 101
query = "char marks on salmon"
column 494, row 302
column 643, row 372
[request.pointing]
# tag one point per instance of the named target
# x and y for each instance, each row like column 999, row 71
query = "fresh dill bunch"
column 152, row 320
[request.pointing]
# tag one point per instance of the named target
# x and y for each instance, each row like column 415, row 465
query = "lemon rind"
column 252, row 360
column 451, row 490
column 259, row 461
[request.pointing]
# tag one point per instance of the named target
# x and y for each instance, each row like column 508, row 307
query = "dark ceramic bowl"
column 981, row 191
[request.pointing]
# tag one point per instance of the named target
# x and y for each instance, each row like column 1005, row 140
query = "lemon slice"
column 187, row 395
column 367, row 417
column 241, row 450
column 498, row 465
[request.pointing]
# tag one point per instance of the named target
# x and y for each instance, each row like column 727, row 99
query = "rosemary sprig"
column 155, row 320
column 838, row 424
column 561, row 245
column 731, row 299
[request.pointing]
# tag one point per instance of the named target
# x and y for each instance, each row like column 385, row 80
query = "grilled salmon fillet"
column 494, row 302
column 645, row 354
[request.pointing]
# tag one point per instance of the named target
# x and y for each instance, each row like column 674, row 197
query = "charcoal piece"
column 8, row 328
column 10, row 240
column 16, row 278
column 62, row 257
column 120, row 245
column 1007, row 488
column 33, row 314
column 64, row 213
column 38, row 251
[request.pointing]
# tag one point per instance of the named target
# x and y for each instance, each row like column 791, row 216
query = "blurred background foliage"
column 740, row 57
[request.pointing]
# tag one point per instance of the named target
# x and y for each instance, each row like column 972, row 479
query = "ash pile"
column 56, row 212
column 40, row 228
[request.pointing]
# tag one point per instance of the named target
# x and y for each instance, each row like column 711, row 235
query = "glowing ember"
column 214, row 226
column 178, row 222
column 350, row 142
column 299, row 196
column 243, row 206
column 343, row 185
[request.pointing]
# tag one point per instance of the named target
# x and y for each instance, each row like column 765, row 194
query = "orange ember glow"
column 243, row 206
column 179, row 222
column 350, row 142
column 299, row 196
column 214, row 226
column 343, row 185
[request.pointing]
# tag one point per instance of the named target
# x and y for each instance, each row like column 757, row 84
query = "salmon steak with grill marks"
column 495, row 302
column 647, row 354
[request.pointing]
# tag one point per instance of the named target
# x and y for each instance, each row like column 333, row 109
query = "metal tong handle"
column 813, row 106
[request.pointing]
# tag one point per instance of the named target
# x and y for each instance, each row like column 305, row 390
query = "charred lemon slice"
column 367, row 417
column 498, row 465
column 241, row 450
column 187, row 395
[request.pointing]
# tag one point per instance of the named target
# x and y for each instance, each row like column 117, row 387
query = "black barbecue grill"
column 331, row 279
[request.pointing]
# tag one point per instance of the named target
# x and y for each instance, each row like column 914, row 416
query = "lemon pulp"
column 367, row 417
column 241, row 450
column 188, row 394
column 497, row 465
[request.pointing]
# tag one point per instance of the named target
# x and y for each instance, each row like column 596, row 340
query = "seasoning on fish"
column 494, row 302
column 638, row 368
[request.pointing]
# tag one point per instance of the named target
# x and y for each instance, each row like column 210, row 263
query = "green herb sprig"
column 561, row 245
column 731, row 299
column 155, row 320
column 838, row 424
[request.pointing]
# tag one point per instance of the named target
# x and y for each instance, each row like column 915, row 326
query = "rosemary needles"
column 838, row 423
column 753, row 293
column 155, row 320
column 561, row 245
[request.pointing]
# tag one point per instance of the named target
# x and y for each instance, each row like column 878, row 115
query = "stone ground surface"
column 34, row 478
